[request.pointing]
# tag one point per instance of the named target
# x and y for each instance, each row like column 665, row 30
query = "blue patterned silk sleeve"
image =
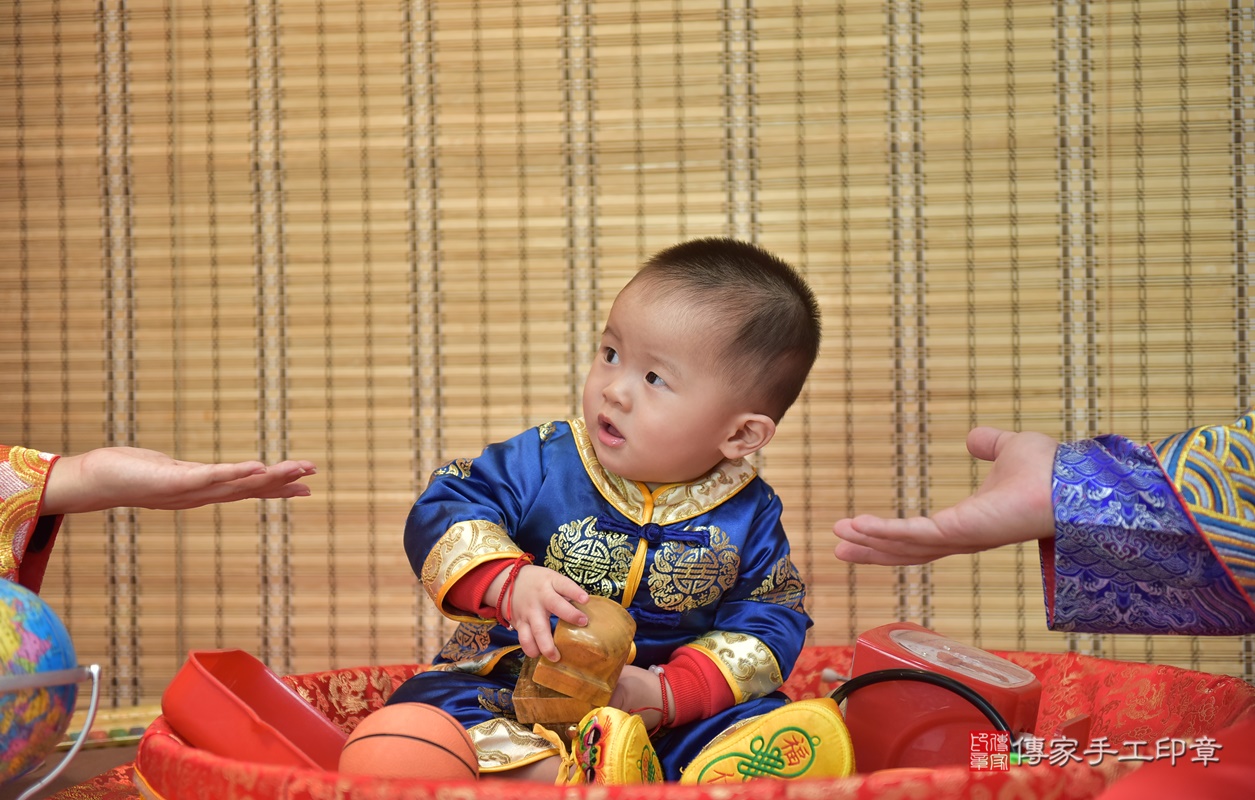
column 1127, row 556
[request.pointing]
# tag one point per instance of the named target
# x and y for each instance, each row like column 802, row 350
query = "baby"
column 647, row 500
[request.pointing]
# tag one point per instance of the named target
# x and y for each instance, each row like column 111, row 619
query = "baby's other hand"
column 538, row 593
column 639, row 691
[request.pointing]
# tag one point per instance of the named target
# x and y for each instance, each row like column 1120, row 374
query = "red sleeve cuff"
column 1046, row 548
column 30, row 572
column 468, row 593
column 698, row 685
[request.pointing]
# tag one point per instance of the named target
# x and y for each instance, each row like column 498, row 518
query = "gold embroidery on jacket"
column 599, row 562
column 783, row 586
column 457, row 468
column 686, row 576
column 468, row 641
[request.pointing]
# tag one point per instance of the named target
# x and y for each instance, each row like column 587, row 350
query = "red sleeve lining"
column 1046, row 548
column 467, row 594
column 700, row 689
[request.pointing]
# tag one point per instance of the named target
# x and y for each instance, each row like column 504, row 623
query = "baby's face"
column 656, row 408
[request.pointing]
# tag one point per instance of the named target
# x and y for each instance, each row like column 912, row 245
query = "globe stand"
column 59, row 677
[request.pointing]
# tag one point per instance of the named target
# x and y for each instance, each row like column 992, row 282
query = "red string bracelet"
column 505, row 598
column 637, row 712
column 662, row 686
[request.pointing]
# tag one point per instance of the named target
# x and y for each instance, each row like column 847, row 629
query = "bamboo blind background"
column 381, row 234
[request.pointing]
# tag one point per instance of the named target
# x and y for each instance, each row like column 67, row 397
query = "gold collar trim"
column 667, row 504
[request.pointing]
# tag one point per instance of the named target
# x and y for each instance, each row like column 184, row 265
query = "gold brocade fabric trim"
column 668, row 504
column 23, row 473
column 504, row 744
column 686, row 576
column 783, row 586
column 463, row 547
column 749, row 666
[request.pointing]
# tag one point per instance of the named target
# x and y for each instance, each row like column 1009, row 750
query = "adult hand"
column 536, row 594
column 112, row 477
column 1012, row 505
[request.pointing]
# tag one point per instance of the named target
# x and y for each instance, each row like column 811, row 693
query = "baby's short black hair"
column 766, row 314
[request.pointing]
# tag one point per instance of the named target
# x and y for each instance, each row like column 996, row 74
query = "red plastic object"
column 910, row 724
column 1127, row 701
column 1077, row 729
column 231, row 704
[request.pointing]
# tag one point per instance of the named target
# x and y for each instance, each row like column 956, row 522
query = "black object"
column 923, row 676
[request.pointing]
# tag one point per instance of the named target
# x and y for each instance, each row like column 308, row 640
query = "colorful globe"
column 32, row 721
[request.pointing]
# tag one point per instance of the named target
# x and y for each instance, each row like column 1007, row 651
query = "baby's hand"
column 639, row 691
column 537, row 593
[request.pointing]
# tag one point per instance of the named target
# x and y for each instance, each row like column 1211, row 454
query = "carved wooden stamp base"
column 559, row 694
column 535, row 703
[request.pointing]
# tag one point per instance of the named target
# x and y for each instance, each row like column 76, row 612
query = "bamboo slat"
column 382, row 236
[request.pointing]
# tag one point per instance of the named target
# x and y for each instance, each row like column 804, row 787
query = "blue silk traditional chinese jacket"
column 703, row 565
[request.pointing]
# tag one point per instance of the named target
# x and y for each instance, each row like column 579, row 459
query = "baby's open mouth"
column 610, row 429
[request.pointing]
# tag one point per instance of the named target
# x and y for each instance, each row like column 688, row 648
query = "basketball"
column 410, row 740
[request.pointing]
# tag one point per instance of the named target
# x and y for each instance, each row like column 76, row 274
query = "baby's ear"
column 752, row 434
